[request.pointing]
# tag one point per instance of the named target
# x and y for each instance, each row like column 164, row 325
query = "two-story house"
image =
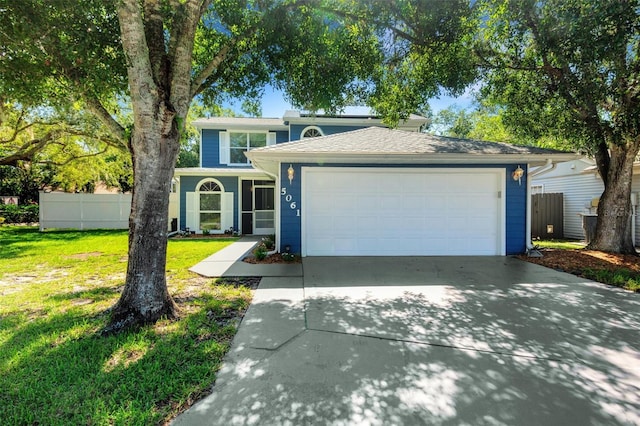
column 346, row 185
column 226, row 192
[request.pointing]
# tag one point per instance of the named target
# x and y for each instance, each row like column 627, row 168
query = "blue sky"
column 274, row 105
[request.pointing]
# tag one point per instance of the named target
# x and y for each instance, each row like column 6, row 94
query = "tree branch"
column 118, row 132
column 29, row 149
column 154, row 33
column 181, row 53
column 143, row 91
column 213, row 65
column 74, row 158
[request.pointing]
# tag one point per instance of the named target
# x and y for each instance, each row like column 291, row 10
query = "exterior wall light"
column 517, row 174
column 290, row 174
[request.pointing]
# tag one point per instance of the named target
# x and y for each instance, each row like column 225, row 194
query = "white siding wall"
column 579, row 188
column 578, row 192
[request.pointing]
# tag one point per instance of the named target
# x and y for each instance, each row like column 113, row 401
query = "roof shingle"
column 378, row 140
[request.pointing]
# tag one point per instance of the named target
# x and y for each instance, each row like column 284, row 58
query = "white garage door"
column 383, row 211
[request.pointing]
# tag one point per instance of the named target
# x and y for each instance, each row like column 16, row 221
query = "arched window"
column 311, row 132
column 209, row 186
column 210, row 199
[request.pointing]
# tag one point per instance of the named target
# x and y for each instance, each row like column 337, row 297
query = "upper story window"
column 311, row 132
column 233, row 145
column 243, row 142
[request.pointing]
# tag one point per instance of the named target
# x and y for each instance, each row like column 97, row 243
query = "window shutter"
column 271, row 138
column 192, row 211
column 227, row 210
column 224, row 148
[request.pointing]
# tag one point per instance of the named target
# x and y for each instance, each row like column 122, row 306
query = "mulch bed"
column 250, row 282
column 202, row 237
column 271, row 258
column 575, row 261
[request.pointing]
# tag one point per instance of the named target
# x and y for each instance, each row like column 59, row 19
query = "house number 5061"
column 289, row 199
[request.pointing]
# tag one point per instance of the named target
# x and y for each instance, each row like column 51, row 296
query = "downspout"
column 277, row 213
column 550, row 166
column 634, row 211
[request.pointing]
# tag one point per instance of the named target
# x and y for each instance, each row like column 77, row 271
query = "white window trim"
column 537, row 188
column 310, row 128
column 199, row 209
column 263, row 231
column 225, row 144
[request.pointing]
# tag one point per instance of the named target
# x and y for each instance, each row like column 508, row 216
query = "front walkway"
column 404, row 341
column 228, row 263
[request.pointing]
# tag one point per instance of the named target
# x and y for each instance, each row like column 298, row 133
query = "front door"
column 258, row 207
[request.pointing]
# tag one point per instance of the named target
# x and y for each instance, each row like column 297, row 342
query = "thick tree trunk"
column 145, row 297
column 613, row 231
column 160, row 89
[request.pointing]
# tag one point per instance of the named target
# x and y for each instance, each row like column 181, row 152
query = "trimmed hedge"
column 20, row 214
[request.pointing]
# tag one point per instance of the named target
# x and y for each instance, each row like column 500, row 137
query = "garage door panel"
column 402, row 212
column 345, row 224
column 413, row 202
column 364, row 202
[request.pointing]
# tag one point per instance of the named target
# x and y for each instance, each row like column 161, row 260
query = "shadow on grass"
column 491, row 341
column 54, row 369
column 20, row 240
column 95, row 294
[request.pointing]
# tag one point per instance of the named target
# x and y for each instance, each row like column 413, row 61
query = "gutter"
column 257, row 164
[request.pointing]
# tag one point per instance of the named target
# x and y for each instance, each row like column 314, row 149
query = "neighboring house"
column 581, row 185
column 347, row 188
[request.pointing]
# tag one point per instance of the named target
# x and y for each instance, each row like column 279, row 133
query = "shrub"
column 20, row 214
column 269, row 241
column 260, row 252
column 289, row 257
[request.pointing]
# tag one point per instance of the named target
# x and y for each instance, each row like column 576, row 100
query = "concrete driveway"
column 450, row 340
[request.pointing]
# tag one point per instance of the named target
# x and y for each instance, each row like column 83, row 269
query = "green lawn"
column 55, row 368
column 559, row 244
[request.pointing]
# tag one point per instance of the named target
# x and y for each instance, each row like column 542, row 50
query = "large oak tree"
column 571, row 69
column 157, row 56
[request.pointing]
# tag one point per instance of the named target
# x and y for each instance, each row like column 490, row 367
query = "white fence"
column 91, row 211
column 84, row 211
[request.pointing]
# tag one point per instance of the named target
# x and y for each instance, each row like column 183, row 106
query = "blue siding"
column 210, row 155
column 515, row 217
column 296, row 129
column 282, row 136
column 188, row 184
column 290, row 222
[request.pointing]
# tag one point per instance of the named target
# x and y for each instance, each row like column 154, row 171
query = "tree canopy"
column 570, row 69
column 152, row 59
column 559, row 70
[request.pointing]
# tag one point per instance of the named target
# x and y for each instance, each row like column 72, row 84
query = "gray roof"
column 378, row 140
column 235, row 122
column 294, row 115
column 215, row 171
